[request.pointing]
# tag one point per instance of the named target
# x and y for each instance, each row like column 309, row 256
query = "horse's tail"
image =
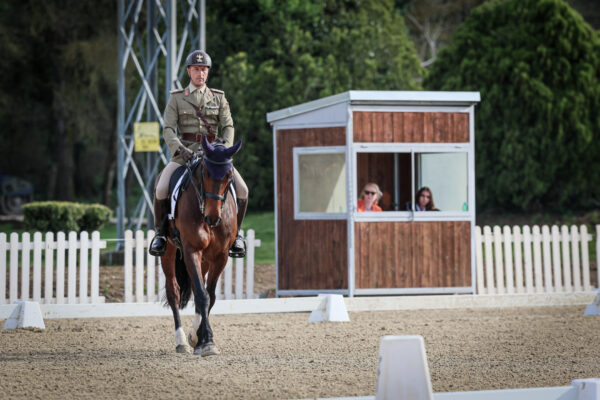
column 183, row 280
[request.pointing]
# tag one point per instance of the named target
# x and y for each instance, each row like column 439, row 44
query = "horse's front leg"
column 214, row 269
column 205, row 345
column 173, row 296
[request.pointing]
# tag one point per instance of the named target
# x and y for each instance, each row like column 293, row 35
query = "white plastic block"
column 594, row 308
column 403, row 372
column 27, row 314
column 587, row 389
column 331, row 308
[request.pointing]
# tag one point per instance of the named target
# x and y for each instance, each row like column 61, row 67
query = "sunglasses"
column 371, row 193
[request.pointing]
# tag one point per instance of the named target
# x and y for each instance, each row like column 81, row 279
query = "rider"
column 181, row 115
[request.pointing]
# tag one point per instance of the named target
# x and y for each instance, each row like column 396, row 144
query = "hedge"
column 62, row 216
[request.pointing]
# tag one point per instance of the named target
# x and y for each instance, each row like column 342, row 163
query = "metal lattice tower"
column 154, row 36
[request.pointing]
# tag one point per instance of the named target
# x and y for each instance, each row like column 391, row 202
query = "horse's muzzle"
column 208, row 219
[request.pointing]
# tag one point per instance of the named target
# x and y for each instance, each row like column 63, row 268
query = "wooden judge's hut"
column 326, row 150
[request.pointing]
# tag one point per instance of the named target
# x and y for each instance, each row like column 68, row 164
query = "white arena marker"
column 332, row 308
column 27, row 314
column 594, row 308
column 588, row 389
column 403, row 372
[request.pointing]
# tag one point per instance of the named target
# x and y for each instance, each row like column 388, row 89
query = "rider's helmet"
column 198, row 57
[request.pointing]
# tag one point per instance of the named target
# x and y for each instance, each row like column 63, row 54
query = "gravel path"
column 282, row 356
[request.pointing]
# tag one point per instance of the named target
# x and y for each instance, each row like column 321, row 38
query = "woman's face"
column 424, row 198
column 370, row 193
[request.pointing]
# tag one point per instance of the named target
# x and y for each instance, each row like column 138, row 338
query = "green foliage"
column 273, row 55
column 537, row 66
column 263, row 224
column 62, row 216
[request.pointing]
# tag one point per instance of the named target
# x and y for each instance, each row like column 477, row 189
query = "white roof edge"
column 381, row 97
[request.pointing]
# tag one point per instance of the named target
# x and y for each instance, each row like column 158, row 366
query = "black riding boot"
column 238, row 250
column 159, row 243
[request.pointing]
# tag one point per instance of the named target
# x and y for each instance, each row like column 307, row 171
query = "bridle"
column 201, row 194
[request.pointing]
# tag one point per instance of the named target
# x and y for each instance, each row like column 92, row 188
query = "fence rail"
column 79, row 255
column 533, row 260
column 147, row 271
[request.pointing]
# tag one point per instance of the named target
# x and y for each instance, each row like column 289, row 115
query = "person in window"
column 424, row 201
column 369, row 197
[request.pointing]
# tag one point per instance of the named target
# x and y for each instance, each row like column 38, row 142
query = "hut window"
column 446, row 175
column 320, row 181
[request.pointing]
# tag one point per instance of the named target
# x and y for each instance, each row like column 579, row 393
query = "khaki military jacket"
column 180, row 118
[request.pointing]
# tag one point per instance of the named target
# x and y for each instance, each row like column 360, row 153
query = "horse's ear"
column 234, row 149
column 209, row 148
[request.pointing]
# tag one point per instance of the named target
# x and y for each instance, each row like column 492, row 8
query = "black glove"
column 186, row 153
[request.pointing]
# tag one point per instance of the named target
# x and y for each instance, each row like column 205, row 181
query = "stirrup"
column 238, row 252
column 158, row 249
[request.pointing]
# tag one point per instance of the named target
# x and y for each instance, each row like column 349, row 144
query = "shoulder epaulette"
column 217, row 91
column 176, row 91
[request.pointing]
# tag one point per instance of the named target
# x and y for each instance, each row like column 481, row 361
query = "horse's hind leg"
column 173, row 295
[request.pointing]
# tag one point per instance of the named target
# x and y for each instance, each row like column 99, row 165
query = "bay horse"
column 206, row 221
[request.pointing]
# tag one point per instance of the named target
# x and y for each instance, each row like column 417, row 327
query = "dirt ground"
column 282, row 356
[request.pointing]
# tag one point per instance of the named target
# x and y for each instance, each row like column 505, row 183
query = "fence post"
column 228, row 280
column 510, row 282
column 25, row 253
column 95, row 268
column 556, row 258
column 575, row 258
column 564, row 230
column 489, row 266
column 139, row 266
column 37, row 266
column 72, row 274
column 546, row 259
column 252, row 243
column 83, row 266
column 498, row 259
column 127, row 266
column 528, row 265
column 479, row 261
column 14, row 267
column 518, row 259
column 49, row 267
column 60, row 267
column 3, row 247
column 151, row 268
column 597, row 258
column 585, row 258
column 537, row 259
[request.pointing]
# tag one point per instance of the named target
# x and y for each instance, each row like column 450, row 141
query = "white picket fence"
column 80, row 256
column 147, row 271
column 533, row 260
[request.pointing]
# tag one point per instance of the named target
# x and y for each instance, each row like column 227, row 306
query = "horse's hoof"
column 192, row 339
column 182, row 349
column 207, row 350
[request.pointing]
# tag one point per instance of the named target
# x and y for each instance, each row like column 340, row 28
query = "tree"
column 537, row 66
column 280, row 54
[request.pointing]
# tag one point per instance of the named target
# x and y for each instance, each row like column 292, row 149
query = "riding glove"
column 186, row 153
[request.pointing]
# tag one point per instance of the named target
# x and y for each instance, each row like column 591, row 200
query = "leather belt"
column 196, row 137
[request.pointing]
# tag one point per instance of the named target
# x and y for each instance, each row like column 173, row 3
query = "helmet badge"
column 199, row 57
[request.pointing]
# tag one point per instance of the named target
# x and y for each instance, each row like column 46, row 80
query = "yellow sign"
column 145, row 136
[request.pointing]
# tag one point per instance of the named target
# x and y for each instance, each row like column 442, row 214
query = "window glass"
column 445, row 174
column 322, row 183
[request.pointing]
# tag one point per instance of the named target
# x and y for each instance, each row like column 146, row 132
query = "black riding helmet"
column 198, row 57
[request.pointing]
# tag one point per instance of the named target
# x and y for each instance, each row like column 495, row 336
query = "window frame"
column 297, row 152
column 412, row 149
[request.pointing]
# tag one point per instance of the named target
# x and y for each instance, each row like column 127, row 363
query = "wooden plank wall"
column 312, row 254
column 412, row 254
column 407, row 127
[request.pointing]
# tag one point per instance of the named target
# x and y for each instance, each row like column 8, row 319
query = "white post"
column 498, row 259
column 49, row 268
column 546, row 259
column 128, row 266
column 60, row 268
column 239, row 275
column 510, row 283
column 25, row 253
column 151, row 269
column 250, row 264
column 585, row 258
column 597, row 258
column 95, row 268
column 139, row 266
column 219, row 290
column 84, row 245
column 556, row 259
column 537, row 259
column 517, row 240
column 575, row 258
column 37, row 266
column 72, row 269
column 528, row 263
column 489, row 266
column 566, row 239
column 228, row 280
column 3, row 247
column 14, row 267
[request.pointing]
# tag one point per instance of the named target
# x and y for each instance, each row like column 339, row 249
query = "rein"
column 201, row 194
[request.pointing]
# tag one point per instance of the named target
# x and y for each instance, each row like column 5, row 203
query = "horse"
column 206, row 223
